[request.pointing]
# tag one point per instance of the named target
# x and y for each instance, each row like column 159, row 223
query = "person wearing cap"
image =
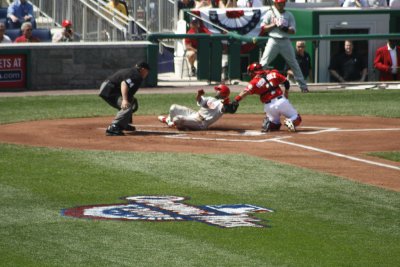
column 118, row 91
column 211, row 110
column 66, row 35
column 191, row 44
column 387, row 61
column 279, row 24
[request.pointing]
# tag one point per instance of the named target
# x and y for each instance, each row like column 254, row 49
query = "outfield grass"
column 318, row 219
column 391, row 155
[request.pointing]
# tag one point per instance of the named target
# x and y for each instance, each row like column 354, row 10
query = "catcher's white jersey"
column 211, row 110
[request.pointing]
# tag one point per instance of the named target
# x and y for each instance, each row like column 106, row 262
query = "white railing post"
column 69, row 10
column 84, row 23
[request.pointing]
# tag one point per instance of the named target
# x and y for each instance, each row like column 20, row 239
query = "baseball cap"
column 194, row 20
column 279, row 1
column 66, row 23
column 143, row 65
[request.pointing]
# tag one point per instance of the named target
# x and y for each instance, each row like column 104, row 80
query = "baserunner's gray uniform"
column 279, row 43
column 211, row 110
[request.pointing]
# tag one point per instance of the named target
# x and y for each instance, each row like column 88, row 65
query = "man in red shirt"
column 387, row 61
column 191, row 44
column 266, row 84
column 26, row 36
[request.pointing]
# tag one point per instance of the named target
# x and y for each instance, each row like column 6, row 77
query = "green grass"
column 392, row 155
column 318, row 219
column 360, row 103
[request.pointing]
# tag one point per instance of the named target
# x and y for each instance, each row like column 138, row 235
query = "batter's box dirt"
column 338, row 145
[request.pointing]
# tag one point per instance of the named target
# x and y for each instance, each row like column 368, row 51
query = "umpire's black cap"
column 143, row 65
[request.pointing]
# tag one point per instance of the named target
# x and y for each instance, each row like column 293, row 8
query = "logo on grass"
column 171, row 208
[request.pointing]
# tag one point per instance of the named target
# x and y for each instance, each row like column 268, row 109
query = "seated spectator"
column 66, row 35
column 304, row 60
column 18, row 12
column 185, row 4
column 348, row 66
column 355, row 3
column 116, row 4
column 26, row 36
column 387, row 61
column 249, row 3
column 4, row 39
column 191, row 44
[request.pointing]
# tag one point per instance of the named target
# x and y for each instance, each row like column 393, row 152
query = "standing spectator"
column 348, row 66
column 185, row 4
column 279, row 24
column 4, row 39
column 304, row 60
column 26, row 36
column 266, row 84
column 249, row 3
column 18, row 12
column 191, row 44
column 387, row 61
column 118, row 91
column 66, row 35
column 116, row 4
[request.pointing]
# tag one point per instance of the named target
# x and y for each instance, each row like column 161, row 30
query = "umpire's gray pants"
column 284, row 47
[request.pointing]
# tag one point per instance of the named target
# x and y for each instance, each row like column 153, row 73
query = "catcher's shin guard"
column 297, row 121
column 269, row 126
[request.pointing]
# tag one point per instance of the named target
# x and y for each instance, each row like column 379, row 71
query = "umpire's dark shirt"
column 348, row 66
column 130, row 76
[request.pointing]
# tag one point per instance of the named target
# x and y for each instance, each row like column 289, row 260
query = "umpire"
column 118, row 91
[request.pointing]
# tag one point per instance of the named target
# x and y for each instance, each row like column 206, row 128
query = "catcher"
column 211, row 110
column 266, row 83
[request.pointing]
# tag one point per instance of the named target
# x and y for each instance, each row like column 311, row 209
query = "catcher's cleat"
column 130, row 128
column 289, row 124
column 114, row 130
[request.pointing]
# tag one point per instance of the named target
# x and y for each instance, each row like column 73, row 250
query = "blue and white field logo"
column 170, row 208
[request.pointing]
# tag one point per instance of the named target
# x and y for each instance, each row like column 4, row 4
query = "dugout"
column 335, row 21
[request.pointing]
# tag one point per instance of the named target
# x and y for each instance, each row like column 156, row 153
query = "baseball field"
column 326, row 195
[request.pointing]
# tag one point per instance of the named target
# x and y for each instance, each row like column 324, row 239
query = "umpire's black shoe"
column 114, row 130
column 130, row 128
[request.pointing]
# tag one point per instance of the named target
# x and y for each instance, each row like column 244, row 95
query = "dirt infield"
column 333, row 144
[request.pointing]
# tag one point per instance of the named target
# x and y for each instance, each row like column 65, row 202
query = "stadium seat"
column 13, row 33
column 44, row 35
column 3, row 15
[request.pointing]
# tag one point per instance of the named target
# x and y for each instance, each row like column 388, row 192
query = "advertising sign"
column 13, row 71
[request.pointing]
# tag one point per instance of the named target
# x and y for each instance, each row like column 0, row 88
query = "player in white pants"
column 211, row 110
column 279, row 23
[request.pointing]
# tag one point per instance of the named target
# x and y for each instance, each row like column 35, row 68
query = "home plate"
column 244, row 133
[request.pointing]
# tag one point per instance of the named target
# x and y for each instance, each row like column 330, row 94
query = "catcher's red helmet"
column 66, row 23
column 252, row 68
column 223, row 90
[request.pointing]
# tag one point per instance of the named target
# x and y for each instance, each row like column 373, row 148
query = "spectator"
column 355, row 3
column 185, row 4
column 347, row 66
column 191, row 44
column 116, row 4
column 18, row 12
column 304, row 60
column 118, row 91
column 66, row 35
column 209, row 4
column 26, row 36
column 387, row 61
column 4, row 39
column 249, row 3
column 279, row 24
